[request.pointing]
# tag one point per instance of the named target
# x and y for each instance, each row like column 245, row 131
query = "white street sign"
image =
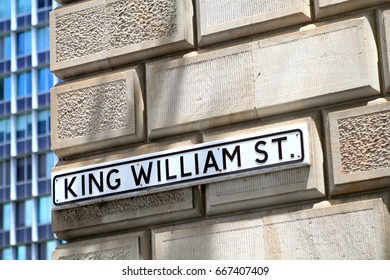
column 198, row 164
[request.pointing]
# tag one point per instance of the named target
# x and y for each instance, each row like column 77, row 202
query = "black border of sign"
column 205, row 146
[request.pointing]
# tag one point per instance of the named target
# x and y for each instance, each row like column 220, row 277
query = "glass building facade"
column 25, row 156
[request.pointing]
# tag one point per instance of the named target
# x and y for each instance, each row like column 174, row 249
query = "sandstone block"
column 127, row 213
column 360, row 148
column 223, row 20
column 285, row 184
column 97, row 113
column 358, row 230
column 384, row 36
column 93, row 35
column 325, row 65
column 210, row 240
column 326, row 8
column 351, row 231
column 132, row 246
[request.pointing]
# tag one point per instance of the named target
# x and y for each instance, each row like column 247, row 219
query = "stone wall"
column 146, row 78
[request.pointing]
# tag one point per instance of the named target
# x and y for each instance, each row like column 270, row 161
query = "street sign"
column 197, row 164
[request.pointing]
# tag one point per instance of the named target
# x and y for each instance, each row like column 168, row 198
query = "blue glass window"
column 24, row 43
column 24, row 84
column 7, row 254
column 45, row 80
column 44, row 122
column 44, row 8
column 50, row 247
column 44, row 4
column 50, row 161
column 23, row 252
column 5, row 9
column 45, row 249
column 5, row 88
column 5, row 182
column 45, row 164
column 23, row 126
column 42, row 166
column 6, row 216
column 23, row 7
column 5, row 173
column 28, row 213
column 23, row 169
column 5, row 130
column 5, row 51
column 5, row 48
column 24, row 211
column 20, row 214
column 43, row 40
column 44, row 210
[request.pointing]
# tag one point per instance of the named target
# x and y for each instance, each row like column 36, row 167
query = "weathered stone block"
column 210, row 240
column 328, row 64
column 360, row 148
column 196, row 93
column 93, row 35
column 384, row 37
column 97, row 113
column 351, row 231
column 127, row 213
column 223, row 20
column 339, row 62
column 336, row 232
column 132, row 246
column 326, row 8
column 284, row 184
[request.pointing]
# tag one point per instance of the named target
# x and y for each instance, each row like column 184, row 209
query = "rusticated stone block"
column 336, row 232
column 285, row 184
column 196, row 93
column 384, row 36
column 127, row 213
column 326, row 8
column 328, row 64
column 93, row 35
column 133, row 246
column 223, row 20
column 97, row 113
column 351, row 231
column 210, row 240
column 360, row 148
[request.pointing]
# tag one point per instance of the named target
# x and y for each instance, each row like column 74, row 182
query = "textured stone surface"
column 211, row 240
column 122, row 253
column 364, row 143
column 134, row 246
column 197, row 89
column 274, row 187
column 101, row 108
column 336, row 232
column 331, row 63
column 326, row 8
column 114, row 32
column 360, row 148
column 384, row 36
column 222, row 20
column 98, row 112
column 127, row 213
